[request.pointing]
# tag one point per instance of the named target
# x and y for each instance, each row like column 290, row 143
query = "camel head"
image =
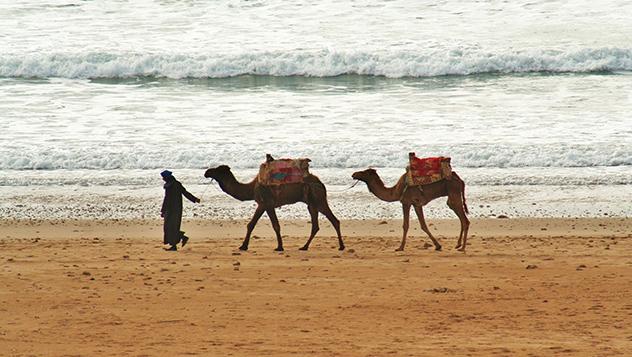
column 304, row 164
column 218, row 172
column 365, row 175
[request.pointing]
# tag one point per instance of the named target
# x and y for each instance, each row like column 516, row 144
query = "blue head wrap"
column 166, row 174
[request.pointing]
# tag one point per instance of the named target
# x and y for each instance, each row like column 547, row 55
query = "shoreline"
column 358, row 203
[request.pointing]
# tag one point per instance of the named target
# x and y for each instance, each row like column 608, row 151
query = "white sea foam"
column 323, row 63
column 322, row 156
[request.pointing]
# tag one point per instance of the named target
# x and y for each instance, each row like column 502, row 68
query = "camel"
column 418, row 196
column 312, row 192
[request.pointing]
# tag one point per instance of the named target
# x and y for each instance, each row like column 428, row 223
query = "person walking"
column 172, row 210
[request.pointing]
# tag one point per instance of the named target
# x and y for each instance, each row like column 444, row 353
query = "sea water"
column 530, row 99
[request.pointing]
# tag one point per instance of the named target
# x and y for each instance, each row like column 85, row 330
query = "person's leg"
column 172, row 230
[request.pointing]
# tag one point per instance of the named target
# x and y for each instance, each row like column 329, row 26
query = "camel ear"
column 269, row 158
column 224, row 167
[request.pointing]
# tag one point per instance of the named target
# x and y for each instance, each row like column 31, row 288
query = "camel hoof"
column 280, row 249
column 399, row 249
column 342, row 247
column 303, row 248
column 438, row 248
column 457, row 247
column 244, row 248
column 462, row 249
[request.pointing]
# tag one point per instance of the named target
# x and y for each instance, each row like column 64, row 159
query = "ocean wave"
column 323, row 63
column 323, row 155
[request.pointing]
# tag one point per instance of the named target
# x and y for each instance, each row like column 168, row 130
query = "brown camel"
column 418, row 196
column 312, row 191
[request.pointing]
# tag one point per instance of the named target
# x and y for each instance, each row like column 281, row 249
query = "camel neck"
column 389, row 194
column 238, row 190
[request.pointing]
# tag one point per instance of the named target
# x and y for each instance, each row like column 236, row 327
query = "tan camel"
column 418, row 196
column 312, row 191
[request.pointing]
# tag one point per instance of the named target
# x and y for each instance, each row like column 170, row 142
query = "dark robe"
column 172, row 210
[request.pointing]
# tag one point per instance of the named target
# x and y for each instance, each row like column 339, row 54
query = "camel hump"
column 424, row 171
column 283, row 171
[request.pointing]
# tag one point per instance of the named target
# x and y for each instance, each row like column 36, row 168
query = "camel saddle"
column 427, row 170
column 283, row 171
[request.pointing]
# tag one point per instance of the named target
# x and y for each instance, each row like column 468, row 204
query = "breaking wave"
column 323, row 63
column 322, row 156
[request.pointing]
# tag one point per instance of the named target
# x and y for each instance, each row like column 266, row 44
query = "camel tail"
column 454, row 174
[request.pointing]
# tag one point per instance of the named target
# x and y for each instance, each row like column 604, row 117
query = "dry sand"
column 538, row 287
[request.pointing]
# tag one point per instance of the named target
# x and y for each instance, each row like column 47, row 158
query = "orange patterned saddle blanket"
column 283, row 171
column 424, row 171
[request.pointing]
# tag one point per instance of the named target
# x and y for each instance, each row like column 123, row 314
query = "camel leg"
column 456, row 205
column 465, row 225
column 406, row 209
column 460, row 241
column 313, row 212
column 277, row 228
column 251, row 225
column 422, row 221
column 324, row 209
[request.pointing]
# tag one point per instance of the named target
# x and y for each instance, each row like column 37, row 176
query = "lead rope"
column 212, row 183
column 202, row 182
column 347, row 188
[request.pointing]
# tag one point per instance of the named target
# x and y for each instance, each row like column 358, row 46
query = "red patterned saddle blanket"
column 427, row 170
column 283, row 171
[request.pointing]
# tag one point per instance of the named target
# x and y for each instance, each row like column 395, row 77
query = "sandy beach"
column 525, row 287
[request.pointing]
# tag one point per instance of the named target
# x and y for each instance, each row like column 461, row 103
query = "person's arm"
column 189, row 196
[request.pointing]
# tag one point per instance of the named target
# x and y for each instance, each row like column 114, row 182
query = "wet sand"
column 525, row 287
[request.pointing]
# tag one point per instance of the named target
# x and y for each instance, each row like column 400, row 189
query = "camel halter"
column 215, row 187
